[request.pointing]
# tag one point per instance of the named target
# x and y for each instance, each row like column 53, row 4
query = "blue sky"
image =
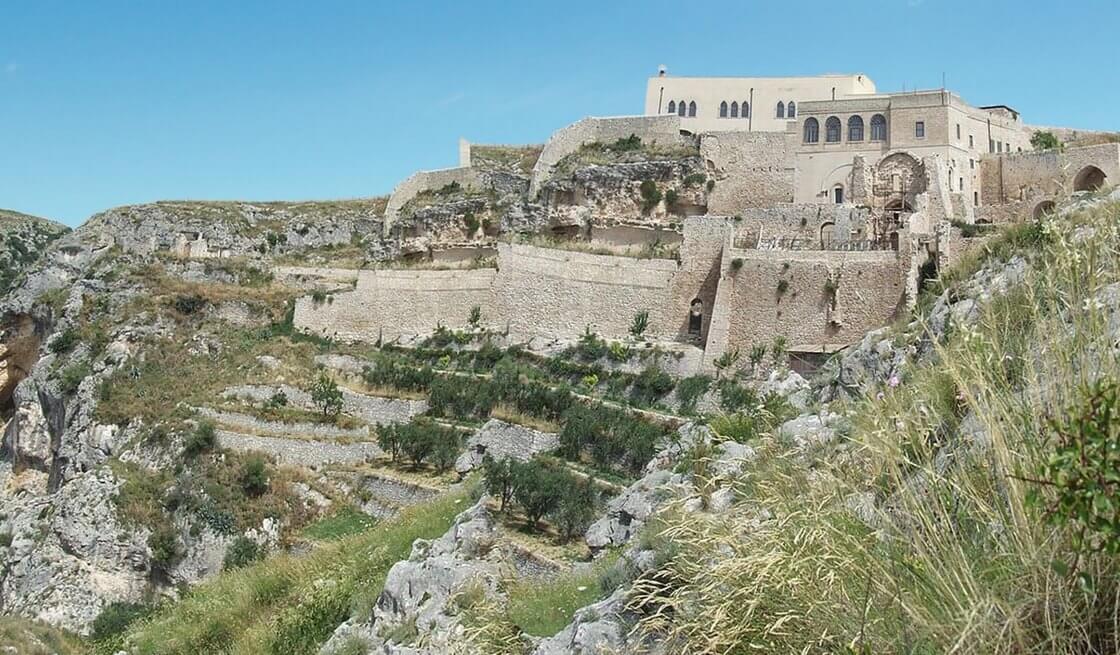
column 108, row 103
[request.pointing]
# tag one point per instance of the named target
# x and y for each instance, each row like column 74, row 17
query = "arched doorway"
column 695, row 317
column 1043, row 208
column 1089, row 178
column 827, row 234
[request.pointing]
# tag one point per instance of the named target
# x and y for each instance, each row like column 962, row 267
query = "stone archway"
column 1043, row 208
column 1089, row 178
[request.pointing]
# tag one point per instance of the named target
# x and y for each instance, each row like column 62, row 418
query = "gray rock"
column 503, row 440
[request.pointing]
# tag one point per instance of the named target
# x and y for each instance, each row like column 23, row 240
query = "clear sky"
column 108, row 103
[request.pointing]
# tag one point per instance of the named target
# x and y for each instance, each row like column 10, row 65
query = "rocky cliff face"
column 23, row 239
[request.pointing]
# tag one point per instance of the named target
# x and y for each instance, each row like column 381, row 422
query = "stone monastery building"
column 807, row 209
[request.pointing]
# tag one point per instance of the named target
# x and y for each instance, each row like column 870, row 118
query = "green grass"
column 544, row 607
column 26, row 637
column 288, row 605
column 344, row 522
column 955, row 553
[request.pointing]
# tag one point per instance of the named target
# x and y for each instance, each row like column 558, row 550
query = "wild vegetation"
column 970, row 509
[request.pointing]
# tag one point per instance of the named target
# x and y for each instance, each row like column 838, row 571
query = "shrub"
column 650, row 385
column 726, row 361
column 590, row 347
column 779, row 348
column 475, row 316
column 65, row 341
column 757, row 354
column 327, row 396
column 590, row 381
column 1081, row 473
column 70, row 378
column 202, row 439
column 461, row 398
column 277, row 400
column 694, row 179
column 613, row 439
column 650, row 194
column 420, row 440
column 671, row 198
column 632, row 142
column 639, row 323
column 831, row 286
column 576, row 505
column 783, row 287
column 318, row 297
column 470, row 221
column 385, row 371
column 619, row 352
column 254, row 476
column 736, row 264
column 164, row 545
column 734, row 397
column 188, row 304
column 537, row 487
column 241, row 552
column 115, row 618
column 689, row 391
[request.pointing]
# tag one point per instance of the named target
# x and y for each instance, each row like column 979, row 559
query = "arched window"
column 792, row 112
column 812, row 130
column 855, row 128
column 734, row 110
column 832, row 130
column 745, row 110
column 723, row 109
column 672, row 107
column 680, row 108
column 781, row 109
column 878, row 128
column 692, row 108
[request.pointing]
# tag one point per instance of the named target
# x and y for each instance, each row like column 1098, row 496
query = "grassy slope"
column 25, row 637
column 289, row 605
column 960, row 558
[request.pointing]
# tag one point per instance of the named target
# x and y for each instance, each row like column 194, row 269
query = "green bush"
column 694, row 179
column 650, row 194
column 65, row 341
column 277, row 400
column 420, row 440
column 254, row 476
column 164, row 545
column 1045, row 140
column 188, row 304
column 385, row 371
column 614, row 440
column 475, row 316
column 650, row 385
column 463, row 398
column 689, row 391
column 590, row 347
column 577, row 503
column 498, row 479
column 241, row 552
column 115, row 618
column 537, row 487
column 70, row 378
column 202, row 439
column 1081, row 478
column 671, row 198
column 734, row 397
column 632, row 142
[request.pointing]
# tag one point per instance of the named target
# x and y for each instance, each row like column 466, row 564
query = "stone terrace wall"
column 421, row 181
column 751, row 169
column 651, row 129
column 391, row 303
column 751, row 311
column 1027, row 175
column 803, row 221
column 558, row 293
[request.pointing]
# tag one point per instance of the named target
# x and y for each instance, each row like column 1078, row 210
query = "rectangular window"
column 920, row 129
column 991, row 145
column 971, row 142
column 960, row 184
column 972, row 164
column 958, row 131
column 999, row 146
column 976, row 198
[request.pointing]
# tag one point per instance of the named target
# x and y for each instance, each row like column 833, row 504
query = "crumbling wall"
column 388, row 304
column 421, row 181
column 750, row 169
column 664, row 130
column 559, row 293
column 1046, row 174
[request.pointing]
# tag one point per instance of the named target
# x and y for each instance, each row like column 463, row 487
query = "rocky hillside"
column 185, row 473
column 22, row 240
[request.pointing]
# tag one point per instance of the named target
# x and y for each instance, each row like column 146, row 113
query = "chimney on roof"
column 661, row 70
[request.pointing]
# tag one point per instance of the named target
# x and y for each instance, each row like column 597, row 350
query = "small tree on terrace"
column 326, row 396
column 576, row 506
column 498, row 479
column 536, row 489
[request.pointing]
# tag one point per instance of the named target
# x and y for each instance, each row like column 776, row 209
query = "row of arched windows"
column 682, row 109
column 786, row 111
column 833, row 129
column 732, row 111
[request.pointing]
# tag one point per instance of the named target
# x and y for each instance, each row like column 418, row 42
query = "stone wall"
column 810, row 221
column 651, row 129
column 755, row 307
column 422, row 181
column 388, row 304
column 558, row 293
column 1046, row 174
column 750, row 169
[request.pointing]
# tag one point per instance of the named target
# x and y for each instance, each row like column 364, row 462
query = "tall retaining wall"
column 421, row 181
column 751, row 310
column 651, row 129
column 392, row 303
column 559, row 293
column 750, row 169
